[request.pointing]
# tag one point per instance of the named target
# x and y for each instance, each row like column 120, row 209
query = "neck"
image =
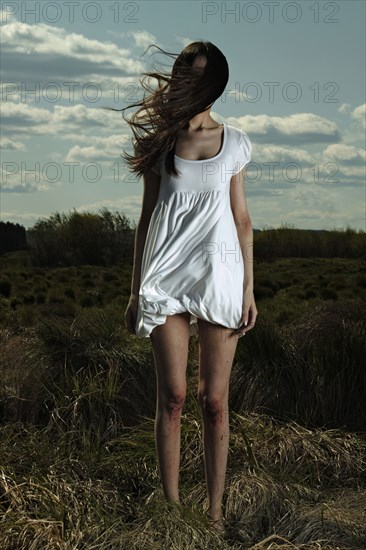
column 202, row 121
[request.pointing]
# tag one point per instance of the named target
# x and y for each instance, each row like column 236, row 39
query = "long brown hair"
column 180, row 95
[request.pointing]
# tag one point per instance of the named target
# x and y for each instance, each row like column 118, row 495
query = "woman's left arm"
column 244, row 228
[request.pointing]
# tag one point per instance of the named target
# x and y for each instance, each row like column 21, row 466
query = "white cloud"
column 27, row 119
column 143, row 39
column 130, row 206
column 11, row 145
column 340, row 151
column 23, row 218
column 299, row 128
column 7, row 12
column 99, row 149
column 43, row 39
column 345, row 108
column 19, row 180
column 359, row 115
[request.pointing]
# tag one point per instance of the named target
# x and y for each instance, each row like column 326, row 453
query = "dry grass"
column 78, row 464
column 302, row 486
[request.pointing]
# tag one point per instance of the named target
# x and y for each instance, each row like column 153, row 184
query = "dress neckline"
column 211, row 158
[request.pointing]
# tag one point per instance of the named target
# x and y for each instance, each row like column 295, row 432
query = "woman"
column 193, row 261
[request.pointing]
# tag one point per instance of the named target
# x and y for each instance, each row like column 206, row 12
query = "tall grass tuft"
column 311, row 370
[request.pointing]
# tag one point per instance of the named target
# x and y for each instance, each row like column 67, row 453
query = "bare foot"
column 173, row 506
column 217, row 523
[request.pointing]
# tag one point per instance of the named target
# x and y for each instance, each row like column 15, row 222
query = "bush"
column 107, row 277
column 361, row 280
column 70, row 293
column 40, row 298
column 328, row 294
column 88, row 283
column 55, row 299
column 5, row 288
column 28, row 299
column 261, row 292
column 87, row 301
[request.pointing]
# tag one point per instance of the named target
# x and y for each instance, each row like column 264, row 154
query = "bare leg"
column 217, row 346
column 170, row 347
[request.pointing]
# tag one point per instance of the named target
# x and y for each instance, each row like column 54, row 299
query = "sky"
column 296, row 87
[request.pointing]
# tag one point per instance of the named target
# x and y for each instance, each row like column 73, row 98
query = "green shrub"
column 328, row 294
column 14, row 302
column 40, row 288
column 69, row 293
column 41, row 297
column 5, row 288
column 28, row 299
column 88, row 283
column 87, row 300
column 109, row 276
column 55, row 298
column 361, row 280
column 261, row 292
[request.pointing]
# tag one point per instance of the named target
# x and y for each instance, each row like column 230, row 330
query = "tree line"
column 78, row 238
column 107, row 238
column 12, row 237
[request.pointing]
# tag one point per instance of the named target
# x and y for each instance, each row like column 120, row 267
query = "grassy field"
column 77, row 402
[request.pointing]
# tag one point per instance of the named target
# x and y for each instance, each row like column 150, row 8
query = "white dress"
column 192, row 259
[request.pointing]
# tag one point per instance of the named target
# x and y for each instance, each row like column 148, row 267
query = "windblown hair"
column 180, row 95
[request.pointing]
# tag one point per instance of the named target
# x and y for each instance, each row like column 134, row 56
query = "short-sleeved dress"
column 192, row 259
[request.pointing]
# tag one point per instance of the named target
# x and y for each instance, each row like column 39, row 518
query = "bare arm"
column 243, row 224
column 150, row 196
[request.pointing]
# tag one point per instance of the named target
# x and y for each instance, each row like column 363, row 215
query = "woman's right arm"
column 150, row 197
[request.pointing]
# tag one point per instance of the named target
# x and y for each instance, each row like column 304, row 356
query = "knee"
column 213, row 407
column 174, row 402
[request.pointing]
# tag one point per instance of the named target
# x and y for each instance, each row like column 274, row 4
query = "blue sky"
column 60, row 151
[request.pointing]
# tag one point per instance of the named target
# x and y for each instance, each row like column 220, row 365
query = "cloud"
column 10, row 145
column 28, row 119
column 27, row 219
column 307, row 206
column 44, row 62
column 7, row 13
column 15, row 179
column 348, row 154
column 359, row 115
column 345, row 108
column 184, row 41
column 130, row 206
column 293, row 130
column 99, row 149
column 141, row 39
